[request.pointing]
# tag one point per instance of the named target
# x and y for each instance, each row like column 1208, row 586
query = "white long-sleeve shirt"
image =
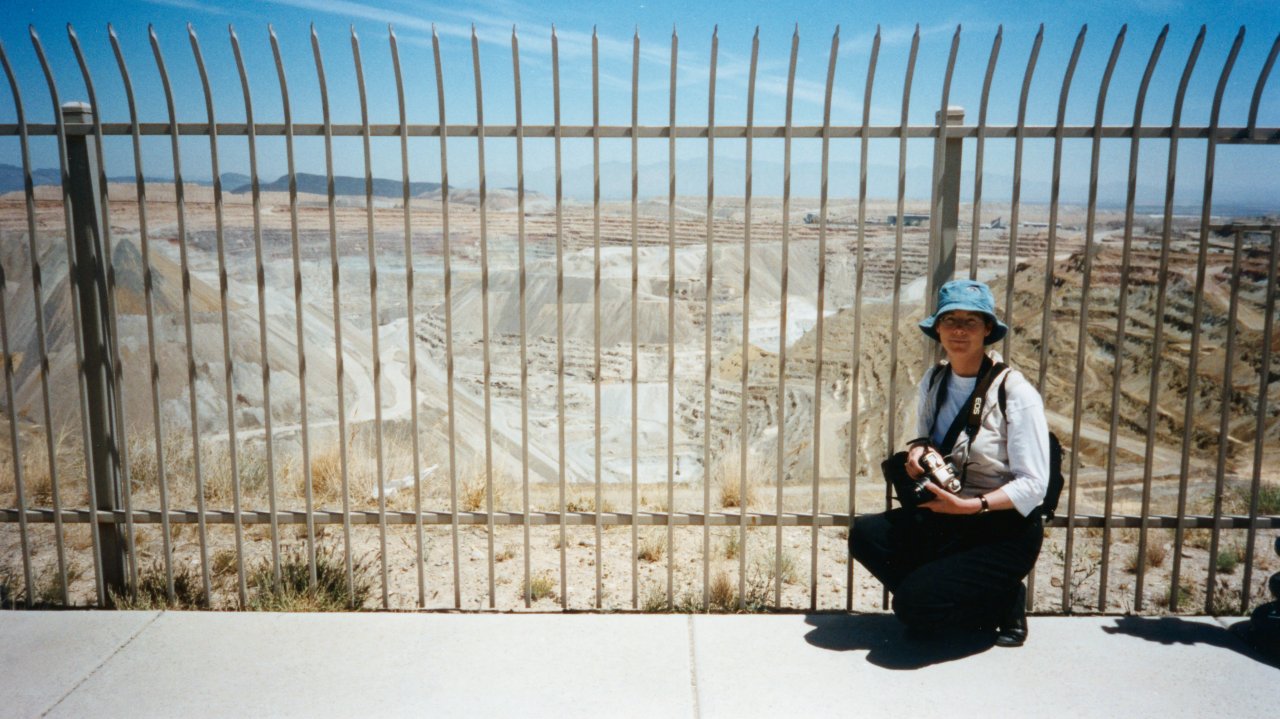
column 1009, row 452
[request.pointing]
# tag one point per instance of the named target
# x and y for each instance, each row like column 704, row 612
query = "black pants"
column 946, row 570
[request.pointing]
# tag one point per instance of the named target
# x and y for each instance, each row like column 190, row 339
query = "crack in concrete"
column 101, row 664
column 693, row 670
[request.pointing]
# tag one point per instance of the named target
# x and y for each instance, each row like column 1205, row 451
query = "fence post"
column 946, row 195
column 90, row 262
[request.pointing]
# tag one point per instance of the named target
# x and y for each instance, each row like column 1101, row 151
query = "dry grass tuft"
column 724, row 593
column 144, row 459
column 152, row 592
column 652, row 547
column 326, row 475
column 1156, row 554
column 1198, row 538
column 587, row 503
column 473, row 494
column 1237, row 499
column 223, row 562
column 37, row 479
column 8, row 587
column 540, row 587
column 295, row 592
column 48, row 589
column 727, row 477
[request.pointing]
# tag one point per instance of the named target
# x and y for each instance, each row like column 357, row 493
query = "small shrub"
column 506, row 554
column 730, row 548
column 152, row 592
column 1228, row 559
column 1269, row 499
column 1186, row 595
column 295, row 592
column 655, row 602
column 540, row 587
column 783, row 566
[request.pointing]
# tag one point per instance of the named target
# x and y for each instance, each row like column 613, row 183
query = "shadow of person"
column 1175, row 630
column 886, row 643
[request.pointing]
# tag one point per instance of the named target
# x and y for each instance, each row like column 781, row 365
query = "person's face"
column 962, row 332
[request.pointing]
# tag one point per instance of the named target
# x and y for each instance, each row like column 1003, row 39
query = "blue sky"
column 654, row 21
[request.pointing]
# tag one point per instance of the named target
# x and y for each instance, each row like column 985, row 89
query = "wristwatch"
column 985, row 506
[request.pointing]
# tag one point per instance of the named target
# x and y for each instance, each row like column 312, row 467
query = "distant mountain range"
column 342, row 185
column 11, row 179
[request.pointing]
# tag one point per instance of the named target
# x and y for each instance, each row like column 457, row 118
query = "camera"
column 937, row 469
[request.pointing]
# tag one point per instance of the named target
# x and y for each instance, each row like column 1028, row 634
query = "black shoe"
column 1013, row 634
column 1012, row 629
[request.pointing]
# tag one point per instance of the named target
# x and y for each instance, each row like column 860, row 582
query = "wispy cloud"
column 399, row 20
column 900, row 35
column 207, row 8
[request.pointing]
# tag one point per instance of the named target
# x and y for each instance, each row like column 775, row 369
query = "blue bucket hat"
column 970, row 296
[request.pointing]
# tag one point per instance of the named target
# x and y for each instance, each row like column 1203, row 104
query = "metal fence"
column 115, row 517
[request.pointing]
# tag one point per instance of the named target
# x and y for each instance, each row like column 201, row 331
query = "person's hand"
column 913, row 460
column 944, row 502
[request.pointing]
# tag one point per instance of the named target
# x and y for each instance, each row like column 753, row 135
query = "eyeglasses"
column 967, row 324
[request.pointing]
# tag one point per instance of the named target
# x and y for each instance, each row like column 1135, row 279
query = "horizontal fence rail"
column 268, row 363
column 1233, row 135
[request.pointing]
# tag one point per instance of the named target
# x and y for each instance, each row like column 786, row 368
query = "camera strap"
column 969, row 418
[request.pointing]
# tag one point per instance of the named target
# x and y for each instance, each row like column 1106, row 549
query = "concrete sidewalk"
column 169, row 664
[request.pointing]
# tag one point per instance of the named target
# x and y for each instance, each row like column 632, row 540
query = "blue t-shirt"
column 958, row 391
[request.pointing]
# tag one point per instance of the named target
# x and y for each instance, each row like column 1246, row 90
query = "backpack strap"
column 973, row 420
column 940, row 373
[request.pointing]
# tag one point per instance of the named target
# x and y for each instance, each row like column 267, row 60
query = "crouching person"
column 956, row 554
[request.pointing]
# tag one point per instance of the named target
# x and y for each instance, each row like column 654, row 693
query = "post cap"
column 77, row 110
column 955, row 115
